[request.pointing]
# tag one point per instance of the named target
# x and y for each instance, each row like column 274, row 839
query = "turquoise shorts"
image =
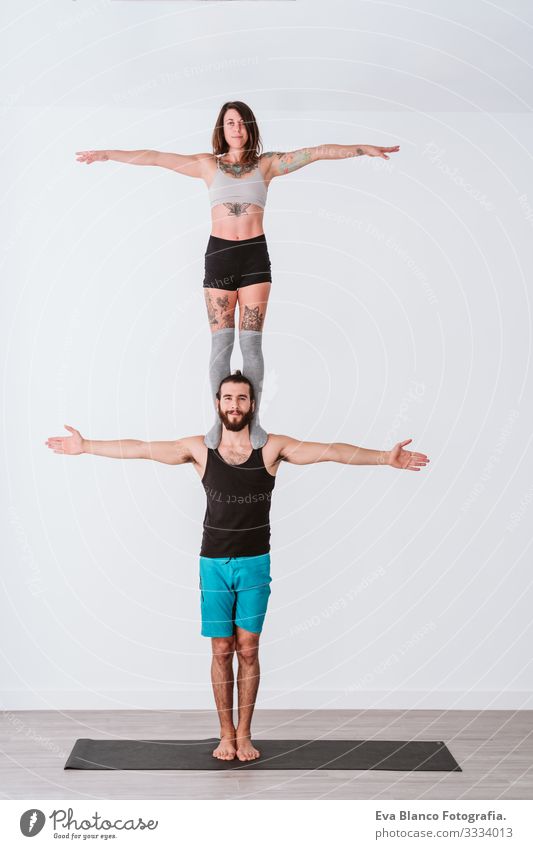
column 234, row 591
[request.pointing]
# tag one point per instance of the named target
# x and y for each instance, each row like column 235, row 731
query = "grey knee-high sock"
column 253, row 368
column 219, row 367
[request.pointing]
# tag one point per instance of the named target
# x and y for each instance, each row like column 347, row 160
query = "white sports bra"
column 250, row 188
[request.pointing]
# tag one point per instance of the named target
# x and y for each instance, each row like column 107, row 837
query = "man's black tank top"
column 237, row 517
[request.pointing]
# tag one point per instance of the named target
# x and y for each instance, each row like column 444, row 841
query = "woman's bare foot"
column 245, row 750
column 225, row 751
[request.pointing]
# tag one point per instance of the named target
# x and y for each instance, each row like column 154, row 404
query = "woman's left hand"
column 372, row 150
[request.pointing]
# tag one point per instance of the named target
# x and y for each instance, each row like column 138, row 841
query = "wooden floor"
column 494, row 749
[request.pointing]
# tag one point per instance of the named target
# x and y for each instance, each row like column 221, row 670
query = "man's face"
column 235, row 131
column 235, row 408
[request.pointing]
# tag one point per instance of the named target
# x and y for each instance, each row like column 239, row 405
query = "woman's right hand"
column 89, row 156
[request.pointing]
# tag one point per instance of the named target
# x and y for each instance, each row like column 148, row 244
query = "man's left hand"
column 413, row 461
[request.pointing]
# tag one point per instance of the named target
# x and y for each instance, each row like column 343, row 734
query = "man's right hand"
column 89, row 156
column 66, row 444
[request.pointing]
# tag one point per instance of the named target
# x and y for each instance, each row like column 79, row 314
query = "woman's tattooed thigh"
column 220, row 310
column 253, row 318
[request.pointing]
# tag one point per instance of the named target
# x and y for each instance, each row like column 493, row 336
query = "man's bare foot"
column 225, row 751
column 245, row 750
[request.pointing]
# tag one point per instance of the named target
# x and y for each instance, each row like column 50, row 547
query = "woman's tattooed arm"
column 284, row 163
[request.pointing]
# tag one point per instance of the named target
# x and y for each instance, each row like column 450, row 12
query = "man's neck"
column 236, row 439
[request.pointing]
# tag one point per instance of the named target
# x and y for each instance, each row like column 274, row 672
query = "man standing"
column 235, row 554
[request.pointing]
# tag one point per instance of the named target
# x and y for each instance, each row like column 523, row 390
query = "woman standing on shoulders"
column 237, row 264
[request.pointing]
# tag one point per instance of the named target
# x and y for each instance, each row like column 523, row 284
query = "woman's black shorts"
column 230, row 265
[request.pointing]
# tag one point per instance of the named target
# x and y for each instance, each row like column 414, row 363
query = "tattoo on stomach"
column 237, row 208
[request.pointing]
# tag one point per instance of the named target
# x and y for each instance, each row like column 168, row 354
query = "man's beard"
column 245, row 419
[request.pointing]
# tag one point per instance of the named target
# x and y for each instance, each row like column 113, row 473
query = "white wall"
column 400, row 308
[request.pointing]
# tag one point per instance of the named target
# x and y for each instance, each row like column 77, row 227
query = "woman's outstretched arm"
column 346, row 151
column 192, row 165
column 285, row 163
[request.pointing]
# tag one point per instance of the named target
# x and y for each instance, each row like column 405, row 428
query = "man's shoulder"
column 272, row 439
column 194, row 445
column 274, row 445
column 278, row 438
column 193, row 440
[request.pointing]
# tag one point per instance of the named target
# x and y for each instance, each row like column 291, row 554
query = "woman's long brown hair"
column 254, row 144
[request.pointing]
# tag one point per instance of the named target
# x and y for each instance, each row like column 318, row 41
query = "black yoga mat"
column 403, row 756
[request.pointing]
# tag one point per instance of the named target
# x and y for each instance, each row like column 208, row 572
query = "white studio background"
column 400, row 308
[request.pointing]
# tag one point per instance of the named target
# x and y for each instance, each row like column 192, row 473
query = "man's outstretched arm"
column 304, row 453
column 173, row 452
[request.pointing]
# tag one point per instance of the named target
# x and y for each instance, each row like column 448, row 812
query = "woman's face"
column 235, row 131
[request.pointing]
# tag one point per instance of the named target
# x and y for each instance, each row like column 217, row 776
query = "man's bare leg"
column 247, row 648
column 223, row 682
